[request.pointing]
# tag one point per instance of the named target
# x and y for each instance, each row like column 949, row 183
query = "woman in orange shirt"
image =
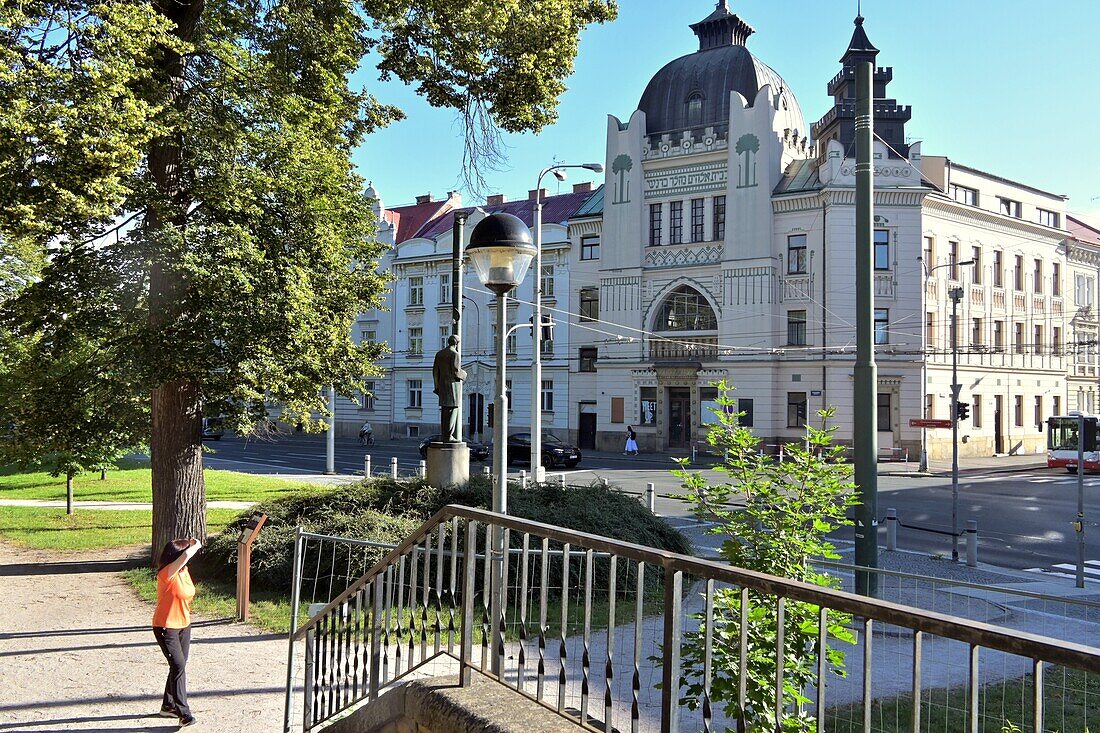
column 172, row 624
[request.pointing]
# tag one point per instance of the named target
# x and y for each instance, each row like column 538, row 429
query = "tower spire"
column 721, row 28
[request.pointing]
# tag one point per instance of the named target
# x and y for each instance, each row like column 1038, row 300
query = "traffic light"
column 962, row 410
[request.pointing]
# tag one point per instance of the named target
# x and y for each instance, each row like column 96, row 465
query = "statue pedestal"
column 448, row 464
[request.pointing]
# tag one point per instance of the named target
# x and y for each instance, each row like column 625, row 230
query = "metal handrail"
column 1078, row 656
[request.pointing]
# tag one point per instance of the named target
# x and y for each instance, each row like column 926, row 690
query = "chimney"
column 425, row 199
column 496, row 199
column 582, row 187
column 539, row 194
column 455, row 198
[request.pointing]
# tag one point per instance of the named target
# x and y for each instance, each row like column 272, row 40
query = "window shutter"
column 618, row 409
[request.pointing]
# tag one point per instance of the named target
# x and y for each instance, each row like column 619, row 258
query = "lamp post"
column 956, row 294
column 500, row 251
column 924, row 358
column 537, row 469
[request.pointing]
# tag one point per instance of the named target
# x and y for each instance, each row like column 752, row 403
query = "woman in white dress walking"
column 631, row 441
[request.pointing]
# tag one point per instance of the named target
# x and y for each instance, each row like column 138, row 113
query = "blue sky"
column 1006, row 86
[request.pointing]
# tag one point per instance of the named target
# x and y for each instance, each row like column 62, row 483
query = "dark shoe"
column 189, row 720
column 169, row 713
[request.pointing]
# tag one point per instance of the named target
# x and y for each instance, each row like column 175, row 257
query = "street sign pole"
column 1079, row 525
column 956, row 295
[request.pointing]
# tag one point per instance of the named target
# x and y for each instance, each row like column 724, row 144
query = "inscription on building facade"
column 686, row 180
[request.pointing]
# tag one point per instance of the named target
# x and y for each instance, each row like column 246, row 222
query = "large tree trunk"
column 179, row 492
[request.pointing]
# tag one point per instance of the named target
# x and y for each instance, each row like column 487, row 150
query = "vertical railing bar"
column 609, row 666
column 332, row 573
column 453, row 587
column 441, row 535
column 636, row 681
column 317, row 571
column 399, row 617
column 414, row 585
column 295, row 596
column 357, row 647
column 973, row 690
column 918, row 638
column 391, row 578
column 708, row 653
column 486, row 627
column 743, row 659
column 376, row 620
column 670, row 668
column 1037, row 695
column 425, row 598
column 326, row 664
column 867, row 670
column 521, row 670
column 780, row 657
column 586, row 660
column 544, row 580
column 501, row 624
column 562, row 650
column 466, row 647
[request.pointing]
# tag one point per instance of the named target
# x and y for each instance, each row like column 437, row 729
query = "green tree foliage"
column 187, row 167
column 775, row 518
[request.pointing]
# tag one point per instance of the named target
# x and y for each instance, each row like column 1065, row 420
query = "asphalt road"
column 1024, row 518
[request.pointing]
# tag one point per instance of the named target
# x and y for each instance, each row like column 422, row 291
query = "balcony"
column 686, row 349
column 797, row 288
column 977, row 295
column 885, row 285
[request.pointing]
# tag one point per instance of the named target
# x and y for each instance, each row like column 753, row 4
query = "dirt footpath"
column 77, row 653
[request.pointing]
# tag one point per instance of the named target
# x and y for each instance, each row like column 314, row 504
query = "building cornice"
column 954, row 211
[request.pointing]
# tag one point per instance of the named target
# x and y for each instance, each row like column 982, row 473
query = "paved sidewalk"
column 77, row 653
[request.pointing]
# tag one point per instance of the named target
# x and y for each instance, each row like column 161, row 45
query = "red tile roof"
column 408, row 220
column 555, row 209
column 1081, row 231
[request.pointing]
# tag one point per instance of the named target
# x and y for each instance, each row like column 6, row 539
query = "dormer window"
column 695, row 109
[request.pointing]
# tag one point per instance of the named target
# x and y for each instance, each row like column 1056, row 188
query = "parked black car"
column 554, row 450
column 478, row 451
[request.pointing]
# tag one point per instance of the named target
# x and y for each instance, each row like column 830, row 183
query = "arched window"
column 685, row 309
column 695, row 109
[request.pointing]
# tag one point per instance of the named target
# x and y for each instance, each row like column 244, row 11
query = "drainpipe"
column 824, row 301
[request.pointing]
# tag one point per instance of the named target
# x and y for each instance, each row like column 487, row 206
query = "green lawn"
column 133, row 482
column 48, row 528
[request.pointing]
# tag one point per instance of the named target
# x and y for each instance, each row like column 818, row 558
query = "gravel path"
column 77, row 653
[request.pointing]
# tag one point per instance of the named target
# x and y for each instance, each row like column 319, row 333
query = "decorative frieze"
column 681, row 256
column 686, row 180
column 748, row 286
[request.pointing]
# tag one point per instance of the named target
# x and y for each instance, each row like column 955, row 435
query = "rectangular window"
column 1056, row 341
column 416, row 393
column 882, row 326
column 929, row 255
column 547, row 395
column 883, row 418
column 1037, row 276
column 796, row 409
column 416, row 342
column 508, row 393
column 1018, row 278
column 796, row 328
column 1057, row 405
column 930, row 330
column 444, row 335
column 1056, row 279
column 647, row 406
column 953, row 260
column 546, row 282
column 512, row 343
column 998, row 269
column 676, row 222
column 656, row 212
column 445, row 288
column 1048, row 218
column 1082, row 290
column 796, row 254
column 590, row 247
column 588, row 359
column 976, row 255
column 697, row 220
column 366, row 398
column 744, row 406
column 590, row 304
column 930, row 406
column 1008, row 207
column 1038, row 417
column 963, row 194
column 416, row 290
column 977, row 333
column 719, row 218
column 1019, row 411
column 618, row 410
column 1019, row 338
column 370, row 336
column 882, row 249
column 976, row 410
column 1038, row 340
column 999, row 335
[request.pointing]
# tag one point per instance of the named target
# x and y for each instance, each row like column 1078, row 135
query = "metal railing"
column 595, row 629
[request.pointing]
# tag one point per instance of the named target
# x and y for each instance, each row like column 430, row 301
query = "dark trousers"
column 175, row 644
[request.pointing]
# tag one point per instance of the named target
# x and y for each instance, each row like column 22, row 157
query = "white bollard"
column 606, row 482
column 366, row 466
column 561, row 479
column 650, row 498
column 393, row 468
column 523, row 479
column 693, row 454
column 486, row 471
column 972, row 543
column 892, row 530
column 422, row 472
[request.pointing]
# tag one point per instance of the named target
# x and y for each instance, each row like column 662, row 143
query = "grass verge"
column 132, row 481
column 49, row 528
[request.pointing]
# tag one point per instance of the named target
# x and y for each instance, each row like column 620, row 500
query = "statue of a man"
column 448, row 375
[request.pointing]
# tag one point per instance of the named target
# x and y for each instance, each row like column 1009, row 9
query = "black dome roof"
column 694, row 90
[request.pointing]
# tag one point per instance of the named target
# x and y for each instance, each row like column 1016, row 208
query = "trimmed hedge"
column 389, row 511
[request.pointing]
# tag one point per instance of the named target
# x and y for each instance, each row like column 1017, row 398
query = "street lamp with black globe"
column 500, row 250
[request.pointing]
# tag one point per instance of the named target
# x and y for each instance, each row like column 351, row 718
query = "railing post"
column 780, row 452
column 670, row 666
column 376, row 634
column 892, row 530
column 972, row 543
column 650, row 499
column 466, row 651
column 366, row 466
column 307, row 682
column 295, row 598
column 393, row 468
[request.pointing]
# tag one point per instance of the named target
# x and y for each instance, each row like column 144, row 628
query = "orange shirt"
column 174, row 596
